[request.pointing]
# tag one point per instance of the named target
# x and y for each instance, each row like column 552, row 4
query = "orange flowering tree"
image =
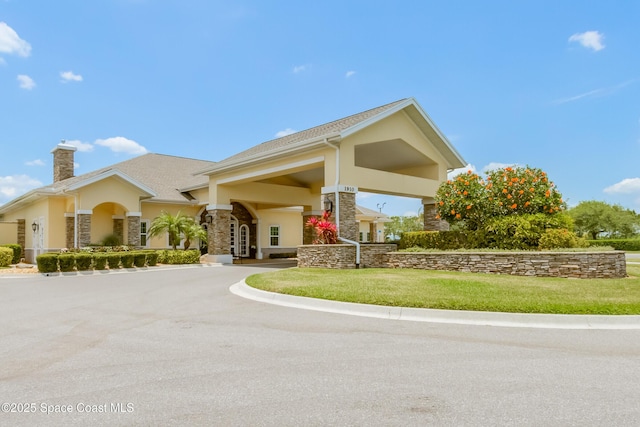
column 470, row 200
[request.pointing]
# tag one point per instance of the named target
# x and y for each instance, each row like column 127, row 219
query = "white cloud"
column 496, row 165
column 76, row 165
column 81, row 146
column 287, row 131
column 626, row 186
column 69, row 76
column 349, row 74
column 121, row 144
column 299, row 68
column 36, row 162
column 11, row 43
column 14, row 185
column 26, row 82
column 589, row 39
column 458, row 171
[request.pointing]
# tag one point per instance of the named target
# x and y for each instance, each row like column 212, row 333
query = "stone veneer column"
column 133, row 228
column 218, row 235
column 63, row 161
column 22, row 240
column 118, row 227
column 84, row 227
column 431, row 223
column 348, row 227
column 70, row 229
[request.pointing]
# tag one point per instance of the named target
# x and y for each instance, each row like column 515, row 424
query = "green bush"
column 618, row 244
column 127, row 259
column 442, row 240
column 47, row 263
column 6, row 255
column 152, row 258
column 111, row 240
column 100, row 261
column 67, row 262
column 191, row 256
column 114, row 260
column 555, row 238
column 17, row 252
column 84, row 261
column 139, row 259
column 522, row 232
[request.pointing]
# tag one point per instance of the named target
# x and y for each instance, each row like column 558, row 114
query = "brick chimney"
column 63, row 161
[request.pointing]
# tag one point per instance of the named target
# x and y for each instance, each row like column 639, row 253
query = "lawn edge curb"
column 479, row 318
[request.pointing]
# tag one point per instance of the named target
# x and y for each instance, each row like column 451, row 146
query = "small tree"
column 191, row 232
column 174, row 226
column 471, row 201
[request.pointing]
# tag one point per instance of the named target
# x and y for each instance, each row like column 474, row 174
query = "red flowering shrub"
column 326, row 231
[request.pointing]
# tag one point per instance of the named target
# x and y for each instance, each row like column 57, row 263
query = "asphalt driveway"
column 175, row 347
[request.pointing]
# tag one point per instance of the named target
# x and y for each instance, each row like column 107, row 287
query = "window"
column 244, row 240
column 361, row 237
column 144, row 238
column 274, row 235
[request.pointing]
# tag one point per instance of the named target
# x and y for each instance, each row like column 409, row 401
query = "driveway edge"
column 479, row 318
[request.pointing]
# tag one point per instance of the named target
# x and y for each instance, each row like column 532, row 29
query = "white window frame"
column 244, row 248
column 278, row 235
column 146, row 235
column 168, row 243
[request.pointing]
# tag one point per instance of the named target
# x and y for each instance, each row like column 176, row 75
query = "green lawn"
column 460, row 291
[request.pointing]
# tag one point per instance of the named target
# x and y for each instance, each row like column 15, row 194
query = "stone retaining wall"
column 583, row 265
column 343, row 255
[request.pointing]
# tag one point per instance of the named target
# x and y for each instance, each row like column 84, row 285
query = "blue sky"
column 553, row 85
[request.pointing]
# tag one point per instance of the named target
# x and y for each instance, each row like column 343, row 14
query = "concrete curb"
column 480, row 318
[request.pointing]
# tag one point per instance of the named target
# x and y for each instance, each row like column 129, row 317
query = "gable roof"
column 161, row 177
column 342, row 128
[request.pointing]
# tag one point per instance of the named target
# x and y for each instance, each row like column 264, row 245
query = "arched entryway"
column 242, row 231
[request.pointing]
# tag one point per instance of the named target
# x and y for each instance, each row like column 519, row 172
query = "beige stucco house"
column 254, row 203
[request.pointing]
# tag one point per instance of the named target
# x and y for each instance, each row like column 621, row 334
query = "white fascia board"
column 283, row 168
column 279, row 152
column 173, row 202
column 108, row 174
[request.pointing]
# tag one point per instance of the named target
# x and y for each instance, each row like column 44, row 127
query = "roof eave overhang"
column 27, row 198
column 298, row 147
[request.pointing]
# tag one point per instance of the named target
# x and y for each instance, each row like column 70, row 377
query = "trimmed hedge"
column 152, row 258
column 17, row 252
column 442, row 240
column 83, row 261
column 47, row 263
column 6, row 255
column 114, row 260
column 127, row 259
column 139, row 259
column 618, row 244
column 191, row 256
column 67, row 262
column 100, row 261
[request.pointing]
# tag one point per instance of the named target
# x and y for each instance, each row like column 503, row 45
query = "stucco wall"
column 8, row 232
column 291, row 229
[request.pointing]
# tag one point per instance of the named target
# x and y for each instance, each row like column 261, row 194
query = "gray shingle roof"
column 165, row 175
column 317, row 132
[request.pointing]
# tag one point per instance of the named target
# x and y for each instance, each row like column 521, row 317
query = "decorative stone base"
column 579, row 265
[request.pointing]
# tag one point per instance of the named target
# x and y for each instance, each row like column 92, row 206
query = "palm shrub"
column 83, row 261
column 100, row 261
column 67, row 262
column 47, row 263
column 173, row 225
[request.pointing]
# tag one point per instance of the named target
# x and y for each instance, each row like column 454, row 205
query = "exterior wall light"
column 35, row 226
column 328, row 205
